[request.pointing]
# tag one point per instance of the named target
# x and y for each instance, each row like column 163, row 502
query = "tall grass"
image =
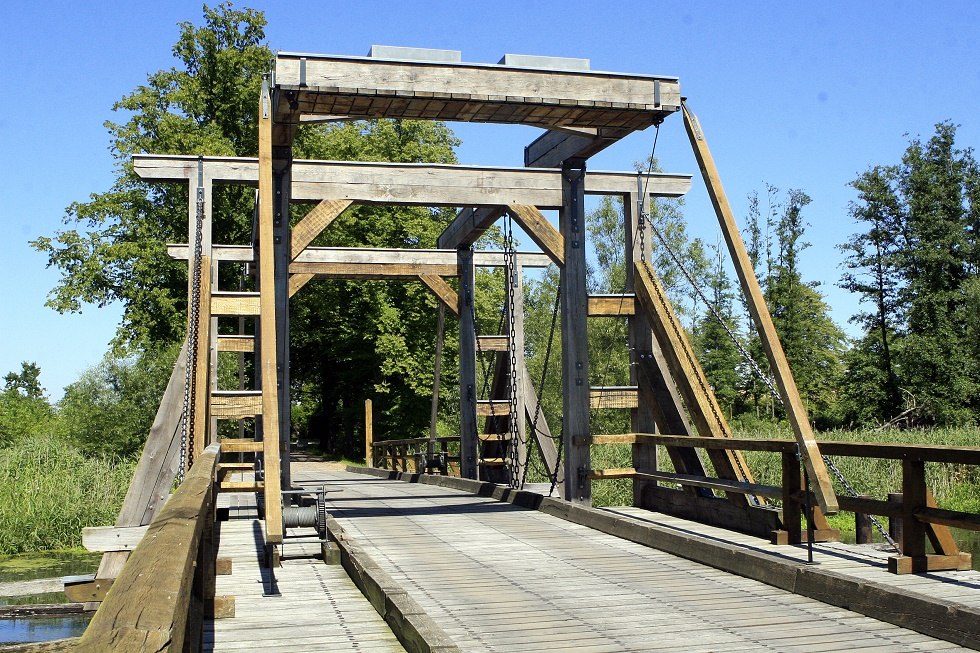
column 49, row 490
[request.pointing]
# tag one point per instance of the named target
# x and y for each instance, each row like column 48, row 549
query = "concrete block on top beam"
column 400, row 53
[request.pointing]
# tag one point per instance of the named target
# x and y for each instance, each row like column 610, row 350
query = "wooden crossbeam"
column 314, row 222
column 492, row 343
column 612, row 305
column 415, row 184
column 236, row 404
column 613, row 397
column 442, row 290
column 795, row 410
column 542, row 232
column 297, row 281
column 240, row 445
column 492, row 408
column 224, row 303
column 236, row 343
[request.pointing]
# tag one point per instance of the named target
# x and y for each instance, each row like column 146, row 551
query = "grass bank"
column 49, row 491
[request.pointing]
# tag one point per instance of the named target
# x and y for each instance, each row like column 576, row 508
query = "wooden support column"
column 282, row 160
column 574, row 336
column 469, row 442
column 436, row 379
column 199, row 431
column 795, row 411
column 269, row 350
column 368, row 433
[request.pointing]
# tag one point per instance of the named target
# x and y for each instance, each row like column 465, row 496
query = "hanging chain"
column 552, row 475
column 187, row 434
column 510, row 268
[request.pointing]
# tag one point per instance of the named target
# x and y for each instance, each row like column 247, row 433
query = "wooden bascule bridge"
column 439, row 546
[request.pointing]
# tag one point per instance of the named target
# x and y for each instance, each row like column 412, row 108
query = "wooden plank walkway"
column 500, row 578
column 318, row 607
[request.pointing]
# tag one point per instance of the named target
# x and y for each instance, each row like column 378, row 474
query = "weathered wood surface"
column 410, row 183
column 522, row 580
column 147, row 606
column 112, row 538
column 364, row 87
column 796, row 412
column 317, row 607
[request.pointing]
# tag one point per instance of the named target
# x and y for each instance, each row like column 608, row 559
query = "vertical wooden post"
column 574, row 336
column 468, row 443
column 862, row 527
column 282, row 160
column 430, row 451
column 368, row 433
column 913, row 498
column 269, row 355
column 895, row 523
column 795, row 411
column 792, row 487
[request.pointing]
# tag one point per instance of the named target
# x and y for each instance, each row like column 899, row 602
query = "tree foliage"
column 915, row 262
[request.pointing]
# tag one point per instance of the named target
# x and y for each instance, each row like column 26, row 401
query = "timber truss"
column 582, row 112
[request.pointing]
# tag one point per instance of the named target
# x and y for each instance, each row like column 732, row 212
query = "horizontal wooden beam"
column 614, row 397
column 483, row 259
column 236, row 343
column 234, row 303
column 443, row 291
column 492, row 343
column 415, row 184
column 365, row 87
column 236, row 404
column 112, row 538
column 492, row 408
column 240, row 445
column 612, row 305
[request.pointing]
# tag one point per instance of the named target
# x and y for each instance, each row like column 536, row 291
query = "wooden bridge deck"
column 309, row 606
column 497, row 577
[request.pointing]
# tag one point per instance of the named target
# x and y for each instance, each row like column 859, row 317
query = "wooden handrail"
column 147, row 607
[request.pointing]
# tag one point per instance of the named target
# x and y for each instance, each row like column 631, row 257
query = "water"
column 44, row 565
column 42, row 629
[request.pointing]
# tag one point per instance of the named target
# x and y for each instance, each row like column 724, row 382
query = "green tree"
column 24, row 410
column 350, row 340
column 917, row 262
column 110, row 408
column 719, row 355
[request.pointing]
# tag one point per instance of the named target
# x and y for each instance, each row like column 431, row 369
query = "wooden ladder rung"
column 241, row 486
column 234, row 303
column 495, row 437
column 236, row 404
column 492, row 343
column 492, row 408
column 493, row 462
column 236, row 343
column 240, row 445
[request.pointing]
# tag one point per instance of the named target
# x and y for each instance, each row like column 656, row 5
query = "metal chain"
column 194, row 310
column 851, row 491
column 510, row 267
column 553, row 476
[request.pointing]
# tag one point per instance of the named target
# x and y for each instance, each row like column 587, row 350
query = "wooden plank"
column 492, row 343
column 579, row 88
column 372, row 270
column 417, row 183
column 269, row 349
column 613, row 397
column 236, row 405
column 723, row 485
column 795, row 410
column 574, row 334
column 437, row 381
column 112, row 538
column 542, row 232
column 87, row 591
column 468, row 226
column 443, row 292
column 241, row 486
column 236, row 343
column 492, row 408
column 240, row 445
column 314, row 222
column 612, row 305
column 147, row 606
column 244, row 253
column 226, row 303
column 368, row 433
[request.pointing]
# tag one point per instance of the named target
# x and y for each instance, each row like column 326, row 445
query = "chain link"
column 187, row 434
column 510, row 267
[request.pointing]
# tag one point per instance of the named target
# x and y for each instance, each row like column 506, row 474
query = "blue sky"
column 790, row 95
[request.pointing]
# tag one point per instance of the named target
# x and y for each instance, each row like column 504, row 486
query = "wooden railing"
column 405, row 455
column 921, row 518
column 157, row 602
